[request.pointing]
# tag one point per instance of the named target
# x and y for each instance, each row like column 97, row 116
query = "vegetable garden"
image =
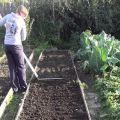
column 54, row 98
column 101, row 56
column 90, row 29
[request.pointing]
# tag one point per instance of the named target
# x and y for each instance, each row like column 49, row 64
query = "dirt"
column 4, row 83
column 84, row 77
column 54, row 99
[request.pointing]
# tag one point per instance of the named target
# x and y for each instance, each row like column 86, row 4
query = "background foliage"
column 57, row 21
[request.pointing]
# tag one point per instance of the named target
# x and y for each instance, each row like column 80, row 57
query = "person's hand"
column 0, row 16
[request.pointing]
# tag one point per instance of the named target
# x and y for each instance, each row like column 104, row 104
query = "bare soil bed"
column 4, row 82
column 54, row 99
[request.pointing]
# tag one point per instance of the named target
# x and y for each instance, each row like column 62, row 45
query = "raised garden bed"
column 4, row 82
column 57, row 95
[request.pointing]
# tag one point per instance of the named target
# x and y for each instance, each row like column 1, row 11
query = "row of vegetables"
column 100, row 55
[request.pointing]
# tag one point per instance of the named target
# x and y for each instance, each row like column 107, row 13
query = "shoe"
column 23, row 89
column 15, row 90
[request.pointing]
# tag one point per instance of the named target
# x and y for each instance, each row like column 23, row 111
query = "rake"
column 34, row 72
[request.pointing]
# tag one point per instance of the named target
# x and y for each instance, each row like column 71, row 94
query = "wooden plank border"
column 6, row 101
column 2, row 58
column 81, row 89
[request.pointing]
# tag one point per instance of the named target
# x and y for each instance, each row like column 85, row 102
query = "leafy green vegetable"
column 101, row 51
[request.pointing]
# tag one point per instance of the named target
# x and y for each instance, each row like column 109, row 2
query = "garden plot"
column 54, row 98
column 4, row 82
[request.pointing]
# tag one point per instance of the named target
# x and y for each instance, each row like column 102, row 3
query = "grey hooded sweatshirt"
column 15, row 29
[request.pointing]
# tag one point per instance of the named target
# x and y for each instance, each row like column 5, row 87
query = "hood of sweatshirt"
column 15, row 15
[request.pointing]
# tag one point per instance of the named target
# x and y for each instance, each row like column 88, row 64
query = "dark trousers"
column 16, row 65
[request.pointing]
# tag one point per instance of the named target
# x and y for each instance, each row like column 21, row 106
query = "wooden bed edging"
column 82, row 91
column 2, row 58
column 6, row 101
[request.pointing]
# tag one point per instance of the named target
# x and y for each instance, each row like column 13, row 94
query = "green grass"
column 40, row 48
column 11, row 110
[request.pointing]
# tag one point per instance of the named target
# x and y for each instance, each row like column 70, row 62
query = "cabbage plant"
column 100, row 52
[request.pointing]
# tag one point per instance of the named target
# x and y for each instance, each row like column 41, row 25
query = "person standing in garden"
column 15, row 34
